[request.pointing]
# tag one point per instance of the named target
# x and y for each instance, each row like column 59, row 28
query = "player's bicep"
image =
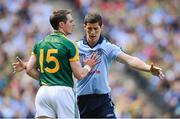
column 123, row 58
column 130, row 60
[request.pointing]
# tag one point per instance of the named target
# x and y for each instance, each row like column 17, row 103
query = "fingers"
column 98, row 61
column 14, row 64
column 14, row 68
column 157, row 72
column 161, row 75
column 92, row 60
column 18, row 66
column 83, row 59
column 14, row 71
column 96, row 58
column 19, row 60
column 93, row 55
column 152, row 67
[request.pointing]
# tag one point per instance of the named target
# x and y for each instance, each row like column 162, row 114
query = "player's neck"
column 91, row 43
column 61, row 31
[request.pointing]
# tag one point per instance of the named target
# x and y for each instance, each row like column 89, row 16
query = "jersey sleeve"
column 34, row 52
column 73, row 53
column 114, row 50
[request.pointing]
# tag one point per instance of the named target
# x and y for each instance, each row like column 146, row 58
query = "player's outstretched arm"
column 90, row 63
column 140, row 65
column 20, row 66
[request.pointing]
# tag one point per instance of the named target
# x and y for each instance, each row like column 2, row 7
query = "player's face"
column 69, row 25
column 93, row 31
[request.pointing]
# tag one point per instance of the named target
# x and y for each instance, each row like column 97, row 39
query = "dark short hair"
column 93, row 17
column 59, row 16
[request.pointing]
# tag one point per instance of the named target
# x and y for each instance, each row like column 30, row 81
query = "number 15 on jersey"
column 49, row 58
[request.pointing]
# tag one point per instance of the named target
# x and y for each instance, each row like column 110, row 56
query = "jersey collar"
column 58, row 33
column 85, row 42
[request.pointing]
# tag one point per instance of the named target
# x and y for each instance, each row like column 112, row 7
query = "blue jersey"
column 96, row 82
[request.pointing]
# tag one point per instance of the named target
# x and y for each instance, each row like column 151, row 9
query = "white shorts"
column 56, row 102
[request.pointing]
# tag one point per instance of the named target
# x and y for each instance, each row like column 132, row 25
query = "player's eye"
column 95, row 28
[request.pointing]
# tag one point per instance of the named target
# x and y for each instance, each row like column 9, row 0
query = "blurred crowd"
column 148, row 29
column 22, row 23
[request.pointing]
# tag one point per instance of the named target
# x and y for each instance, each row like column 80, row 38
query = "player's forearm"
column 134, row 62
column 82, row 72
column 139, row 64
column 31, row 69
column 34, row 73
column 79, row 72
column 85, row 70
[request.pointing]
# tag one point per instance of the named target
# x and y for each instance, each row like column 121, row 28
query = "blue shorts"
column 96, row 106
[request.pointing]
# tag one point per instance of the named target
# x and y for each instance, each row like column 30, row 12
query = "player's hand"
column 92, row 60
column 19, row 65
column 157, row 72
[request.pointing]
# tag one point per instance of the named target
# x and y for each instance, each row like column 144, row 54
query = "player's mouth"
column 92, row 37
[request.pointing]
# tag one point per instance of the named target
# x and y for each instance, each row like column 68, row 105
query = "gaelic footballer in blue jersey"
column 93, row 91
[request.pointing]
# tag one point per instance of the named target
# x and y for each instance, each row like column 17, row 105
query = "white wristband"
column 87, row 67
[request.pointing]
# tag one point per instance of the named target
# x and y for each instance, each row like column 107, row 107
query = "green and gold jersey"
column 54, row 55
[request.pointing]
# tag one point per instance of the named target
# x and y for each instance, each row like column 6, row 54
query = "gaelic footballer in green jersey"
column 54, row 55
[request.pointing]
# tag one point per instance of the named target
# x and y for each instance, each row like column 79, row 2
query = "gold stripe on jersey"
column 32, row 53
column 76, row 57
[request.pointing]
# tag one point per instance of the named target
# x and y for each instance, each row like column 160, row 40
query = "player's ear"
column 102, row 27
column 61, row 24
column 84, row 25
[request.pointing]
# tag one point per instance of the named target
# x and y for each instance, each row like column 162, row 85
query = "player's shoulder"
column 66, row 41
column 107, row 43
column 109, row 47
column 70, row 44
column 38, row 42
